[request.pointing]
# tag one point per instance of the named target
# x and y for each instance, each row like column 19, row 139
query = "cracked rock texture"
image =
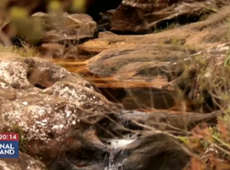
column 45, row 104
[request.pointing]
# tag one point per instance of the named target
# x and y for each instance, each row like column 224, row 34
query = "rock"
column 48, row 104
column 138, row 61
column 165, row 121
column 67, row 28
column 148, row 5
column 104, row 22
column 61, row 36
column 157, row 150
column 53, row 50
column 116, row 144
column 159, row 71
column 213, row 62
column 124, row 67
column 90, row 7
column 195, row 36
column 105, row 41
column 144, row 69
column 145, row 17
column 25, row 162
column 4, row 22
column 127, row 19
column 59, row 52
column 49, row 28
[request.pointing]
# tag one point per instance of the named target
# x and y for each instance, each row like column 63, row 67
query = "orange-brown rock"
column 66, row 28
column 25, row 162
column 145, row 17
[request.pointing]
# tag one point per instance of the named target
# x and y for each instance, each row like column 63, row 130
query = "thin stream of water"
column 116, row 145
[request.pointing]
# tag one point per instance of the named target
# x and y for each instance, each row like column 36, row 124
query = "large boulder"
column 45, row 104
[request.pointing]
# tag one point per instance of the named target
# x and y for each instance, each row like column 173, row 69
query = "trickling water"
column 112, row 165
column 116, row 145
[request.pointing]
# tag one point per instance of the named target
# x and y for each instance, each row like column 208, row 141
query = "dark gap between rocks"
column 38, row 79
column 139, row 98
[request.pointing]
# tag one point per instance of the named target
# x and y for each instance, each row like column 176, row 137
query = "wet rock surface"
column 145, row 61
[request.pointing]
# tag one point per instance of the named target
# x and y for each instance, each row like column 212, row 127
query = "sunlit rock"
column 45, row 104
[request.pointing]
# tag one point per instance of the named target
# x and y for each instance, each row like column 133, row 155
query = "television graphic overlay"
column 9, row 145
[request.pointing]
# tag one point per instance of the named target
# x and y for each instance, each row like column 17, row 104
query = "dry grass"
column 24, row 51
